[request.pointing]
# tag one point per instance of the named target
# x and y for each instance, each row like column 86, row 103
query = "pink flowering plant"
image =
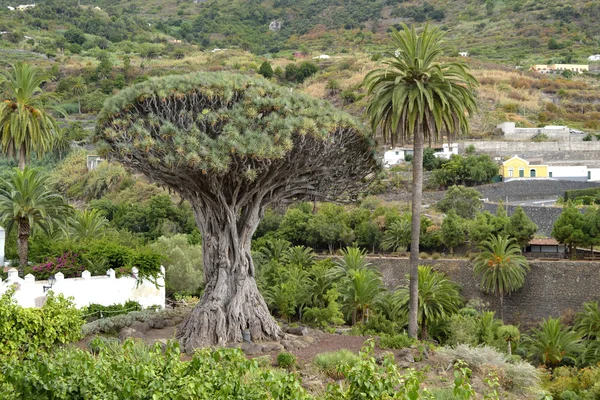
column 69, row 263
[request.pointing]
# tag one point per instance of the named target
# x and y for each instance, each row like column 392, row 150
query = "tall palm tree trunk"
column 22, row 157
column 417, row 195
column 23, row 241
column 502, row 306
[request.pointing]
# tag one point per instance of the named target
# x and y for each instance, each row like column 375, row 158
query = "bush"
column 136, row 371
column 520, row 377
column 331, row 363
column 435, row 256
column 28, row 331
column 399, row 341
column 286, row 360
column 95, row 311
column 182, row 262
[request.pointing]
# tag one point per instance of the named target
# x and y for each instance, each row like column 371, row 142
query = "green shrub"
column 94, row 311
column 286, row 360
column 136, row 371
column 435, row 256
column 182, row 262
column 399, row 341
column 28, row 331
column 331, row 363
column 370, row 380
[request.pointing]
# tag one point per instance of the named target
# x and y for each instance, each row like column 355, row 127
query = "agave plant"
column 552, row 343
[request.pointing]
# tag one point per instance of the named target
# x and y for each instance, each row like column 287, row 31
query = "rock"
column 128, row 332
column 298, row 331
column 380, row 357
column 314, row 386
column 251, row 349
column 342, row 331
column 298, row 344
column 271, row 346
column 288, row 344
column 406, row 355
column 140, row 326
column 157, row 323
column 307, row 339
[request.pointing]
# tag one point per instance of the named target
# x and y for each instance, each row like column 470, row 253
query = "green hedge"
column 577, row 193
column 24, row 332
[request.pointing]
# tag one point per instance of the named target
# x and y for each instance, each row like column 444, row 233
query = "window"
column 397, row 153
column 589, row 175
column 549, row 174
column 510, row 172
column 521, row 172
column 532, row 173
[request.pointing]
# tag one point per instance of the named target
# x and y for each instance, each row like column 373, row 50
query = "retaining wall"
column 552, row 288
column 546, row 151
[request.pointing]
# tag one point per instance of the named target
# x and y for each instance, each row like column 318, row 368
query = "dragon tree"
column 232, row 145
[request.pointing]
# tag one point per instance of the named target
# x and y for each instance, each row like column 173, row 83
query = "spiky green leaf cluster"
column 205, row 120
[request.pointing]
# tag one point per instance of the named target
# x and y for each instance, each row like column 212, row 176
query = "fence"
column 105, row 289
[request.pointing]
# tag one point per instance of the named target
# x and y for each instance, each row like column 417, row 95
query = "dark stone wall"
column 552, row 288
column 529, row 189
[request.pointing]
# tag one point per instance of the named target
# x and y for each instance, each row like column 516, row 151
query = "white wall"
column 105, row 289
column 570, row 171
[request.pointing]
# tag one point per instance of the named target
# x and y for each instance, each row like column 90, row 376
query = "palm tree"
column 353, row 258
column 274, row 249
column 358, row 291
column 25, row 203
column 587, row 322
column 24, row 124
column 85, row 225
column 415, row 96
column 511, row 335
column 501, row 267
column 61, row 142
column 298, row 255
column 79, row 89
column 397, row 236
column 553, row 343
column 439, row 298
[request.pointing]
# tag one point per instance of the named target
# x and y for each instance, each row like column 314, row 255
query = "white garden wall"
column 105, row 289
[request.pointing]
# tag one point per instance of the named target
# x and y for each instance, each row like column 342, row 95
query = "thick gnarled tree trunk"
column 231, row 302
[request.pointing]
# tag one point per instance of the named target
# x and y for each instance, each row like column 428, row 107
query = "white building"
column 23, row 7
column 447, row 151
column 573, row 173
column 398, row 154
column 463, row 53
column 322, row 57
column 595, row 57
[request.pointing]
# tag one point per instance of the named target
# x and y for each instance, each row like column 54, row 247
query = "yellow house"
column 516, row 167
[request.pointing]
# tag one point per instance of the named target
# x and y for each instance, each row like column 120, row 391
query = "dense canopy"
column 193, row 130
